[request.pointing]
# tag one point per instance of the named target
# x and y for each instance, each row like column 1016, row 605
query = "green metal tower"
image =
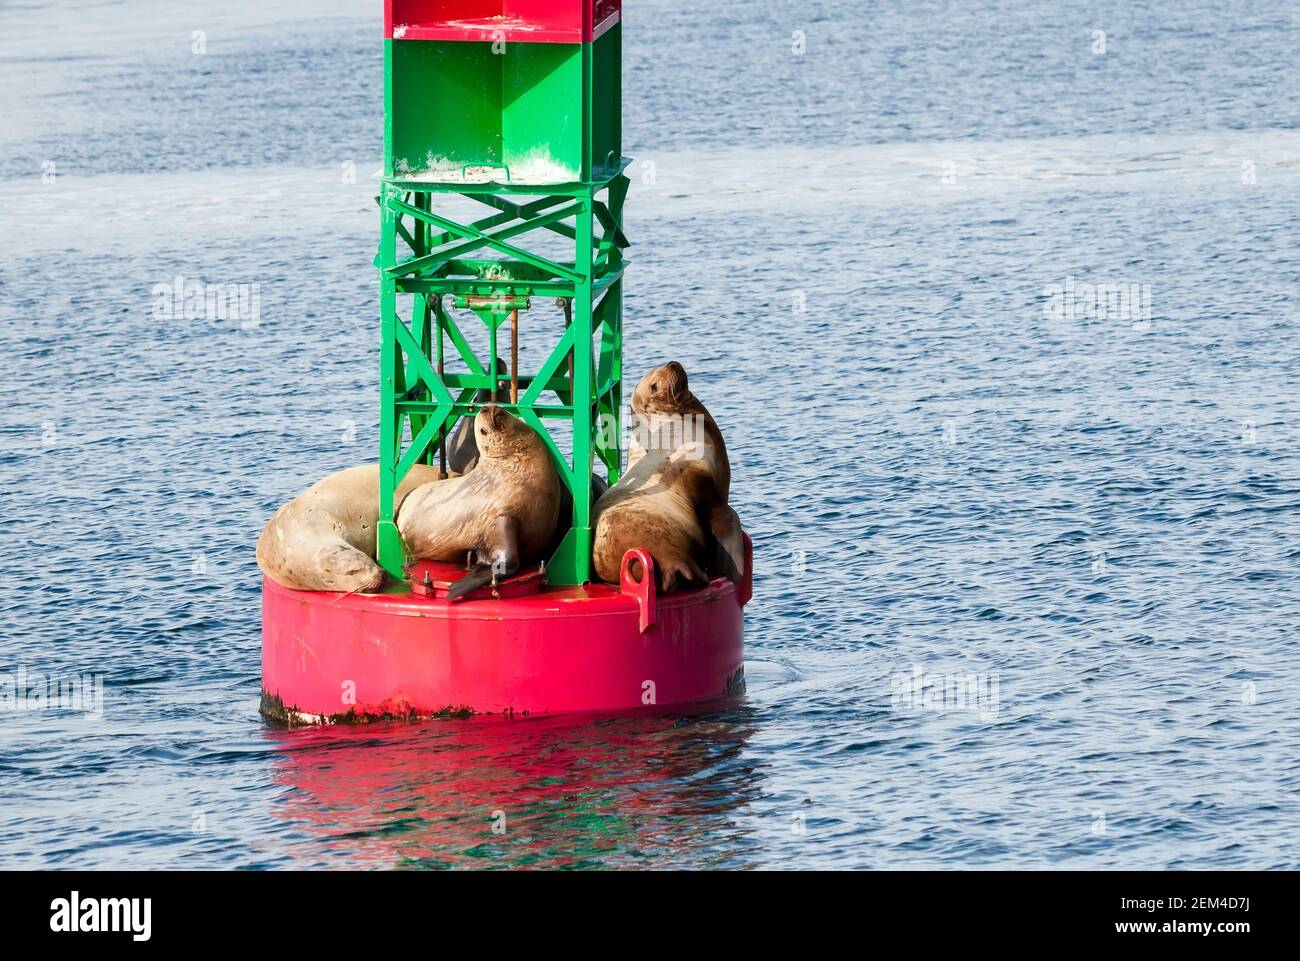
column 530, row 130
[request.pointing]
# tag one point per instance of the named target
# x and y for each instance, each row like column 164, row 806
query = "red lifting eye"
column 638, row 580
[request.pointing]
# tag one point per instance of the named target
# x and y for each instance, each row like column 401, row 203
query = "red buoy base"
column 329, row 658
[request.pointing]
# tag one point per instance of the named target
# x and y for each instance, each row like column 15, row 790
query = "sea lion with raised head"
column 501, row 512
column 672, row 499
column 324, row 539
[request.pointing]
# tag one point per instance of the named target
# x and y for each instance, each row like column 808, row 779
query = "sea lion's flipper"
column 480, row 575
column 499, row 560
column 729, row 551
column 679, row 572
column 503, row 554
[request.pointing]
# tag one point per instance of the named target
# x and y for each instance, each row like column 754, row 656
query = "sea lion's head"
column 500, row 433
column 663, row 390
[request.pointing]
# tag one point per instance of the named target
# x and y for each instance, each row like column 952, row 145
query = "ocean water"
column 854, row 224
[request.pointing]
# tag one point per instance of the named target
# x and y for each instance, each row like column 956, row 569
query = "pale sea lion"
column 324, row 539
column 501, row 512
column 672, row 500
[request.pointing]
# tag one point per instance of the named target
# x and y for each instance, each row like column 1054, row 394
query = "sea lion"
column 324, row 539
column 504, row 510
column 672, row 500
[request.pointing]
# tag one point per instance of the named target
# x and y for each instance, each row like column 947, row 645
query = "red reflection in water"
column 544, row 792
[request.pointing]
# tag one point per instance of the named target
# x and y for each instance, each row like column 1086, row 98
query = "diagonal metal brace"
column 476, row 238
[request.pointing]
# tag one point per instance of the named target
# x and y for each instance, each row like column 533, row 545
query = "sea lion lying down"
column 324, row 539
column 503, row 510
column 672, row 499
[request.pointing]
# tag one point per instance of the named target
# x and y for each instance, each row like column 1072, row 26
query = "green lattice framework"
column 531, row 130
column 427, row 259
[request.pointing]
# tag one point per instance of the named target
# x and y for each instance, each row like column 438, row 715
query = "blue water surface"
column 848, row 222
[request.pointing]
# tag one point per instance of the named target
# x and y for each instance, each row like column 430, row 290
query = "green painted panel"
column 445, row 101
column 469, row 112
column 607, row 100
column 542, row 112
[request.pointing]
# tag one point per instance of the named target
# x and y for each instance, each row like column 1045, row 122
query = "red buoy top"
column 517, row 21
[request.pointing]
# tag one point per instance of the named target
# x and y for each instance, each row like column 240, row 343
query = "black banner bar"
column 358, row 910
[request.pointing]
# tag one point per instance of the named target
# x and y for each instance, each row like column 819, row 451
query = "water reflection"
column 543, row 792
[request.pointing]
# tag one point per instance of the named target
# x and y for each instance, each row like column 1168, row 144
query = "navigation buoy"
column 520, row 111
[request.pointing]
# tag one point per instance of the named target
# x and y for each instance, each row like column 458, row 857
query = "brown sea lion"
column 501, row 512
column 324, row 539
column 672, row 499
